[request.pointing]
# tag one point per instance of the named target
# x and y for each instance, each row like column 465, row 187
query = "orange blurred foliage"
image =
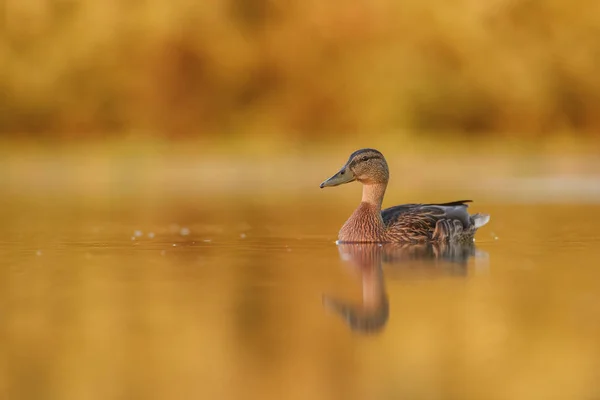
column 179, row 68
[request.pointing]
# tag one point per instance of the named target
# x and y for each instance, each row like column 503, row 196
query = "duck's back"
column 432, row 222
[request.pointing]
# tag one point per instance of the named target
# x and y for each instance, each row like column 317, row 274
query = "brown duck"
column 446, row 222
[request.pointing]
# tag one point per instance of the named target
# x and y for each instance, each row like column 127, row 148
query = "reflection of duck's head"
column 359, row 317
column 372, row 314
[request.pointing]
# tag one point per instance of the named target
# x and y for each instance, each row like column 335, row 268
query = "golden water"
column 247, row 296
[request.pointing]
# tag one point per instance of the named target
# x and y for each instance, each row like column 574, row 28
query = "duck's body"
column 412, row 223
column 447, row 222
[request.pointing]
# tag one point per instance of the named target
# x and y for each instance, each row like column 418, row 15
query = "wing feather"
column 417, row 222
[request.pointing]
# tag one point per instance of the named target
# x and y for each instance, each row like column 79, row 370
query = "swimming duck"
column 446, row 222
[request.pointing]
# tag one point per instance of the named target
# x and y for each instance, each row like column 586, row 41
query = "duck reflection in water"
column 431, row 259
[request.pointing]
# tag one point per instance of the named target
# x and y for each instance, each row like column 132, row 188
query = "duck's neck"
column 365, row 224
column 373, row 194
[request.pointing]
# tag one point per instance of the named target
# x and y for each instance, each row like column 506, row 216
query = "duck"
column 407, row 223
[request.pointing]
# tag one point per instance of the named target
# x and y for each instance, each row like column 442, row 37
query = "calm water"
column 131, row 277
column 168, row 300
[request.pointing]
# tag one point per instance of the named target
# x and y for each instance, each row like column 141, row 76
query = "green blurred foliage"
column 311, row 67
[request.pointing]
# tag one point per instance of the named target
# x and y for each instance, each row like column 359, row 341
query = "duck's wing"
column 454, row 209
column 418, row 222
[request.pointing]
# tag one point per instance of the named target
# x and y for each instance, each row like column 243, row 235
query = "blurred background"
column 76, row 69
column 505, row 88
column 163, row 234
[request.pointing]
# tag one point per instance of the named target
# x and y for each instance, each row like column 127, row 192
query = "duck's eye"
column 365, row 158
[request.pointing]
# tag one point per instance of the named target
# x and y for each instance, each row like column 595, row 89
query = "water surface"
column 175, row 298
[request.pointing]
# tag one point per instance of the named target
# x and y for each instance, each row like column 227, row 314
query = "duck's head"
column 367, row 166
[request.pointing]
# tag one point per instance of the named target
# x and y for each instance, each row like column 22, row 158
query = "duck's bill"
column 344, row 176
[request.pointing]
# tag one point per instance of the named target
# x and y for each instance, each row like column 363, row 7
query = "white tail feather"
column 480, row 220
